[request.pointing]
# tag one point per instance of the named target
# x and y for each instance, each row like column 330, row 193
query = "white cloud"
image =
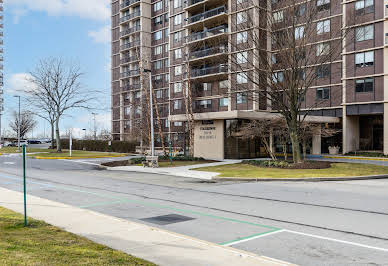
column 103, row 35
column 89, row 9
column 18, row 83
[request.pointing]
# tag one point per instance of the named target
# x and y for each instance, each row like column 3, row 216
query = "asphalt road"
column 307, row 223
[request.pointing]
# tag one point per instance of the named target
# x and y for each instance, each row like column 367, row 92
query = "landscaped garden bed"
column 164, row 161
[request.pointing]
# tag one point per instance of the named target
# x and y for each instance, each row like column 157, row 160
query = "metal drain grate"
column 167, row 219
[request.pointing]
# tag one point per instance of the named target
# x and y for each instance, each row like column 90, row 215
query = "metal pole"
column 94, row 126
column 152, row 120
column 24, row 185
column 19, row 126
column 71, row 142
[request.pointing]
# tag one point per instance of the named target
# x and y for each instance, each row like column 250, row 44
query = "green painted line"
column 247, row 237
column 101, row 204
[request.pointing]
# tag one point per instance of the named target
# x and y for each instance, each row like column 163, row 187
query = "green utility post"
column 24, row 184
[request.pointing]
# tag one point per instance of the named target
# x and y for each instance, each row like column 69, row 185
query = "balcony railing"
column 130, row 30
column 128, row 3
column 208, row 33
column 211, row 13
column 193, row 2
column 127, row 87
column 128, row 59
column 208, row 51
column 130, row 45
column 130, row 73
column 130, row 16
column 209, row 70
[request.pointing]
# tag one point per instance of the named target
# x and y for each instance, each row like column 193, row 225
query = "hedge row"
column 102, row 145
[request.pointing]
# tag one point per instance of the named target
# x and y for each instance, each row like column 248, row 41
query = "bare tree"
column 27, row 123
column 290, row 51
column 60, row 90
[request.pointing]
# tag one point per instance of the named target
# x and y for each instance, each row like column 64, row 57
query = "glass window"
column 242, row 37
column 277, row 77
column 178, row 19
column 158, row 6
column 241, row 97
column 242, row 78
column 178, row 124
column 323, row 26
column 364, row 85
column 278, row 16
column 224, row 102
column 242, row 57
column 299, row 32
column 223, row 84
column 157, row 35
column 177, row 87
column 323, row 93
column 241, row 17
column 365, row 59
column 178, row 70
column 364, row 33
column 159, row 94
column 323, row 49
column 177, row 104
column 178, row 53
column 177, row 3
column 177, row 36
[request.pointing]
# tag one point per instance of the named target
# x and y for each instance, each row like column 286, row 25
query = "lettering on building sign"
column 207, row 133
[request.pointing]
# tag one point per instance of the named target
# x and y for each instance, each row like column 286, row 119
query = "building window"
column 224, row 102
column 223, row 84
column 177, row 3
column 158, row 64
column 322, row 93
column 242, row 37
column 138, row 110
column 158, row 50
column 364, row 7
column 178, row 70
column 127, row 110
column 323, row 49
column 323, row 71
column 365, row 59
column 364, row 85
column 278, row 77
column 158, row 6
column 177, row 36
column 242, row 57
column 301, row 10
column 166, row 123
column 241, row 17
column 178, row 19
column 159, row 20
column 178, row 53
column 241, row 97
column 299, row 32
column 137, row 94
column 205, row 104
column 178, row 124
column 242, row 78
column 159, row 94
column 365, row 33
column 323, row 26
column 177, row 87
column 157, row 35
column 278, row 16
column 323, row 5
column 177, row 104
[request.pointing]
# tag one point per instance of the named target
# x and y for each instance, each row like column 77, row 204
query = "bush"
column 138, row 160
column 101, row 145
column 270, row 163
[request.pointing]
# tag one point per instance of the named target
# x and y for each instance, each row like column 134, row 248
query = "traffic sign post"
column 24, row 185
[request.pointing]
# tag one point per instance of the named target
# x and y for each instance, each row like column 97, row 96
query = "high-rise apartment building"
column 196, row 41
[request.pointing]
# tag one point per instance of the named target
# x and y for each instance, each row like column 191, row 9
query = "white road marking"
column 337, row 240
column 251, row 238
column 10, row 163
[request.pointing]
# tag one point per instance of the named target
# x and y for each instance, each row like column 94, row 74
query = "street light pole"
column 94, row 126
column 151, row 116
column 17, row 96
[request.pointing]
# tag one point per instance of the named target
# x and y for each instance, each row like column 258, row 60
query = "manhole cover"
column 168, row 219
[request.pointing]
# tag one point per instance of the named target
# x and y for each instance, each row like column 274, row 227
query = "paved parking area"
column 335, row 223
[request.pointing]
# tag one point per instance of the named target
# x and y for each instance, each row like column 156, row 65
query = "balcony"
column 129, row 45
column 130, row 73
column 128, row 3
column 128, row 59
column 130, row 30
column 202, row 72
column 130, row 16
column 212, row 51
column 207, row 16
column 216, row 31
column 128, row 87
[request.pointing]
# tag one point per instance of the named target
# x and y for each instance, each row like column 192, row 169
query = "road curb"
column 314, row 179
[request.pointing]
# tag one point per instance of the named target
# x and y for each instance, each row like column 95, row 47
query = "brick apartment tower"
column 192, row 39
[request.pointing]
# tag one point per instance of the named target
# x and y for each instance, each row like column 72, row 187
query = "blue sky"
column 77, row 30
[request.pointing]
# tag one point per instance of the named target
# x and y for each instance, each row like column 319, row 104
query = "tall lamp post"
column 151, row 116
column 17, row 96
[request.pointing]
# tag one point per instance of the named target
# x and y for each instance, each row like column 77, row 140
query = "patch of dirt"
column 117, row 163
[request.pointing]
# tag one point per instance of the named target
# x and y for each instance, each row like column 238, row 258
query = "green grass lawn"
column 29, row 150
column 43, row 244
column 77, row 154
column 336, row 170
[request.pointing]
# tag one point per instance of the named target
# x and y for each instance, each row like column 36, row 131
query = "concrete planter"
column 333, row 150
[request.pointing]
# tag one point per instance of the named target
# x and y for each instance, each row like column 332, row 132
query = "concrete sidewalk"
column 153, row 244
column 181, row 171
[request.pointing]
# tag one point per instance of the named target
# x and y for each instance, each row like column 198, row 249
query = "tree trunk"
column 295, row 145
column 268, row 148
column 59, row 147
column 285, row 151
column 304, row 145
column 52, row 134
